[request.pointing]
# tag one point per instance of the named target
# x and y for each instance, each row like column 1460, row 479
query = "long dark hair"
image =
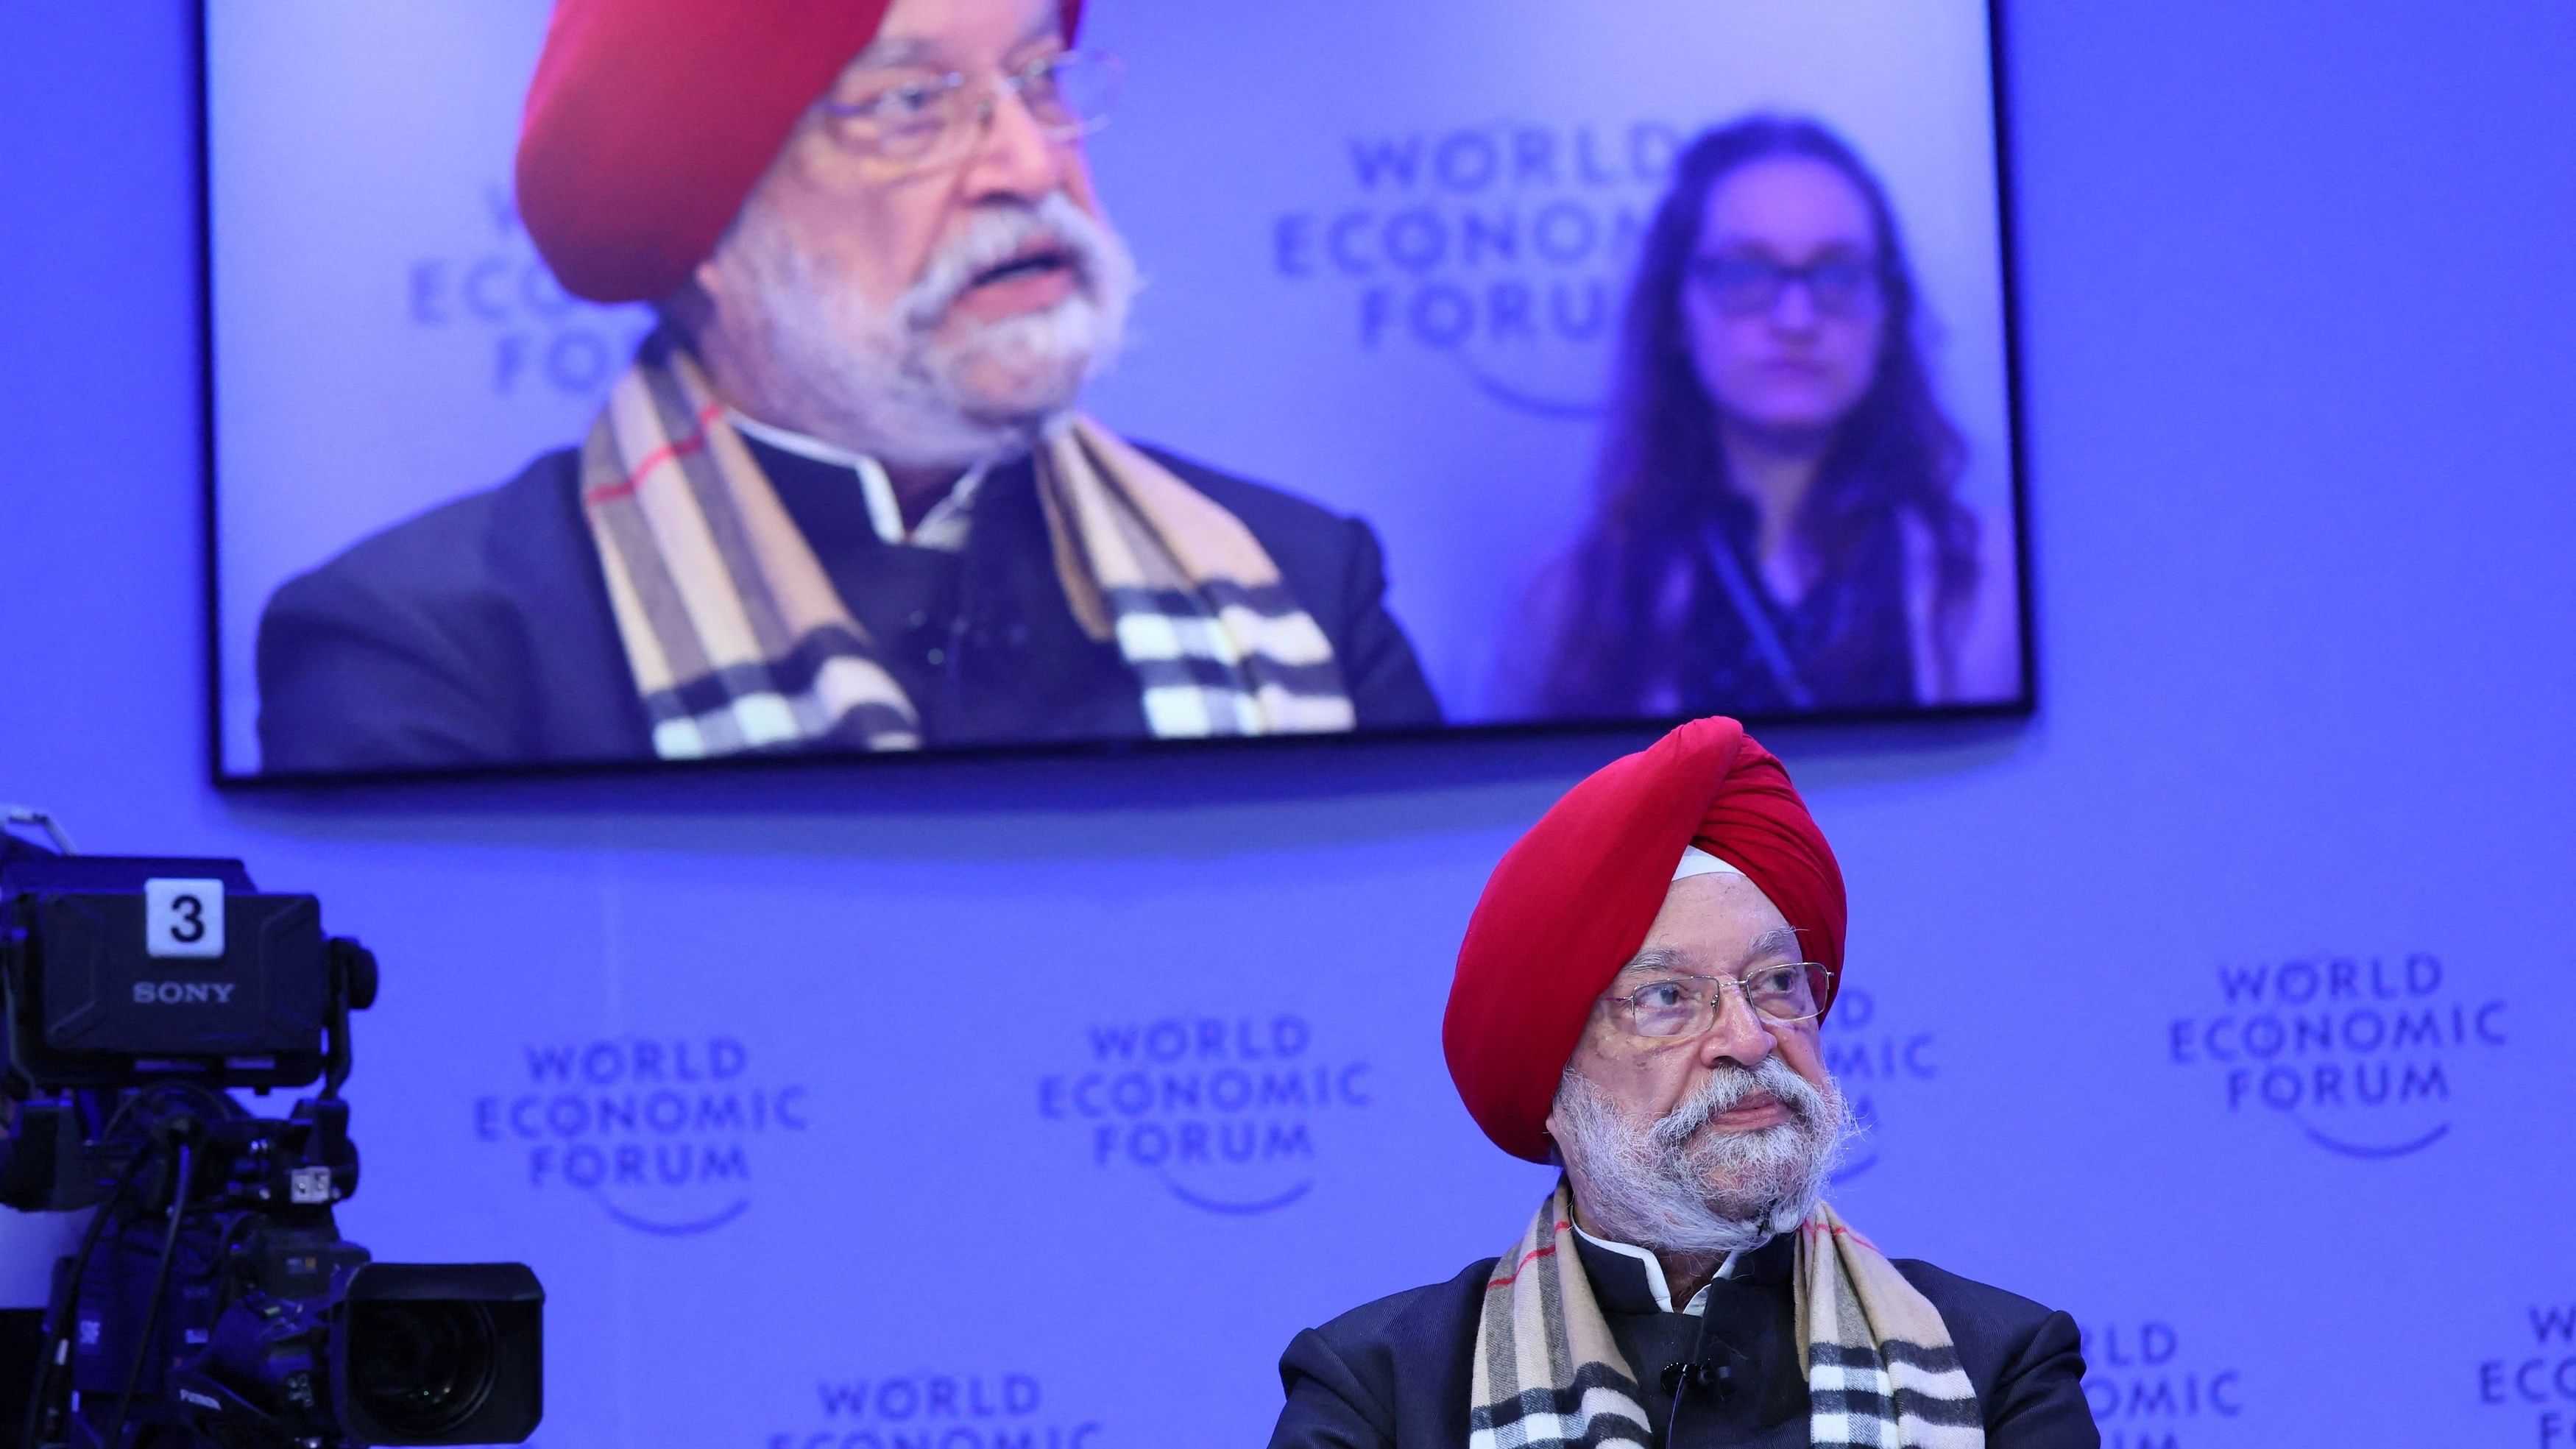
column 1639, row 583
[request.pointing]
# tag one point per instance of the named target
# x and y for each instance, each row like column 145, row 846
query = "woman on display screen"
column 1777, row 527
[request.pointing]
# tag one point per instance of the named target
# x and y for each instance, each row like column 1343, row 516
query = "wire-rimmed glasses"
column 1683, row 1004
column 921, row 119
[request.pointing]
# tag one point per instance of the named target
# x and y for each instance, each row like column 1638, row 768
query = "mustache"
column 1662, row 1183
column 1729, row 1087
column 996, row 235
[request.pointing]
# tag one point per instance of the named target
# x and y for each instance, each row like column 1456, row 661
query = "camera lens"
column 421, row 1368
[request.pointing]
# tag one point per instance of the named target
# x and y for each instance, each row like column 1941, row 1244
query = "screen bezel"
column 2022, row 706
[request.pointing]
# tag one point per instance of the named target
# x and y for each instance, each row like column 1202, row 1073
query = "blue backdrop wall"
column 2225, row 1003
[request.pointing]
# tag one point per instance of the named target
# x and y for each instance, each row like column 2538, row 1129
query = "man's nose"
column 1013, row 156
column 1739, row 1034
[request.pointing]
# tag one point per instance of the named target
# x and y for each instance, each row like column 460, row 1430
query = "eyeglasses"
column 1686, row 1005
column 920, row 119
column 1751, row 286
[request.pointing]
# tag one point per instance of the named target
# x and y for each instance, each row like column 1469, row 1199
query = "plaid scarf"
column 737, row 640
column 1879, row 1364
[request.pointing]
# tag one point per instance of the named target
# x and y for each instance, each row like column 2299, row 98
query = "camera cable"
column 218, row 1107
column 183, row 1129
column 66, row 1297
column 65, row 1300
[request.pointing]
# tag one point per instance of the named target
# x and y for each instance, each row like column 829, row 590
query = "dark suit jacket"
column 479, row 633
column 1395, row 1374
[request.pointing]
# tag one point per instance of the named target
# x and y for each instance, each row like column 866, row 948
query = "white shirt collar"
column 942, row 528
column 1655, row 1273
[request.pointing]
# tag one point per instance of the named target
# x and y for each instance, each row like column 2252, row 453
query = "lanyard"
column 1757, row 618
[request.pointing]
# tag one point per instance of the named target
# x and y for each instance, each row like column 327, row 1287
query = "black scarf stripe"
column 1561, row 1365
column 1610, row 1429
column 1587, row 1378
column 654, row 590
column 1565, row 1403
column 720, row 734
column 793, row 674
column 1270, row 601
column 864, row 724
column 1950, row 1413
column 721, row 730
column 1866, row 1404
column 1538, row 1403
column 1859, row 1403
column 1183, row 674
column 1939, row 1358
column 1321, row 680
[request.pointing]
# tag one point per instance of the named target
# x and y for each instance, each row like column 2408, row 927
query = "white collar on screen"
column 1655, row 1273
column 942, row 528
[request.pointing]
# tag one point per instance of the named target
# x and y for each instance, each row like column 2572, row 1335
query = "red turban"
column 1571, row 902
column 649, row 121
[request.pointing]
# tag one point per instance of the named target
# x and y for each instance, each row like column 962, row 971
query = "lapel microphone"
column 1703, row 1372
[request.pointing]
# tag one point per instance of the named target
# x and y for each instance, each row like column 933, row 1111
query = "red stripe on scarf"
column 1845, row 1230
column 1533, row 1255
column 678, row 448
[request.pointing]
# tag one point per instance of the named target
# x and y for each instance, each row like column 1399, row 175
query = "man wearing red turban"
column 1638, row 1001
column 844, row 497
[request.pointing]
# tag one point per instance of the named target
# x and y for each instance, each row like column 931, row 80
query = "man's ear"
column 688, row 308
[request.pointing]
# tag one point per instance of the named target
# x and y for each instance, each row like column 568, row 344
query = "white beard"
column 1668, row 1186
column 879, row 381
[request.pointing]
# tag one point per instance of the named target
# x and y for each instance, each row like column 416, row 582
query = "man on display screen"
column 842, row 498
column 1638, row 1001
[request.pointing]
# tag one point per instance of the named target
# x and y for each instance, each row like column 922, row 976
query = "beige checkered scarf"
column 738, row 642
column 1879, row 1363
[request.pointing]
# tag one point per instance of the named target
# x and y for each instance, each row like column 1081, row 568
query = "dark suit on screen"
column 480, row 633
column 1395, row 1374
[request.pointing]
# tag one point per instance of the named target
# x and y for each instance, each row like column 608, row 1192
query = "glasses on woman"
column 1751, row 286
column 1686, row 1005
column 919, row 120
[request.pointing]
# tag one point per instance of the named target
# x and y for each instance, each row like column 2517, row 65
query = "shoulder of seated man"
column 2003, row 1320
column 1432, row 1310
column 1263, row 507
column 442, row 556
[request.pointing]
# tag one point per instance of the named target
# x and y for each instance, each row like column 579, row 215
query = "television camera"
column 212, row 1300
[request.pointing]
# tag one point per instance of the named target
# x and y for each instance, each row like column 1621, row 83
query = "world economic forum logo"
column 664, row 1135
column 2148, row 1390
column 1502, row 247
column 2536, row 1375
column 530, row 338
column 927, row 1410
column 1875, row 1059
column 2365, row 1055
column 1224, row 1112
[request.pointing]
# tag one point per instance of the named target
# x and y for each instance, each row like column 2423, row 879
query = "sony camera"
column 212, row 1300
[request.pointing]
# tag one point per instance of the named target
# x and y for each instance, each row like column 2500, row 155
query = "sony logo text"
column 183, row 993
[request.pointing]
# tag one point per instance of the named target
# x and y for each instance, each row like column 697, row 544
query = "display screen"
column 1214, row 371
